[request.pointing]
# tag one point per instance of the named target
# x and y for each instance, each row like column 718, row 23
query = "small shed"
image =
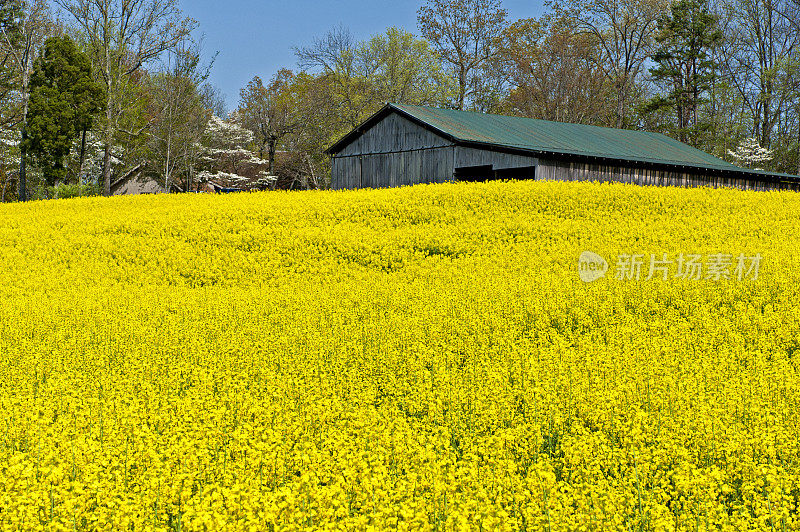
column 408, row 144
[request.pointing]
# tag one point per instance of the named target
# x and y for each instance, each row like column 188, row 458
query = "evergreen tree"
column 64, row 101
column 685, row 38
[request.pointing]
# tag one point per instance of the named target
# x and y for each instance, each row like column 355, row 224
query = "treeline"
column 94, row 93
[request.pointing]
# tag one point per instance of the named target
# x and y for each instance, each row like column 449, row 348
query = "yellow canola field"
column 423, row 358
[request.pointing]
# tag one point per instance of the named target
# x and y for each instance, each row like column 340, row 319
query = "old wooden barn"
column 407, row 144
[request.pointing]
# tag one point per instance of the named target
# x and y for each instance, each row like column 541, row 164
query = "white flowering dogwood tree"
column 226, row 160
column 750, row 154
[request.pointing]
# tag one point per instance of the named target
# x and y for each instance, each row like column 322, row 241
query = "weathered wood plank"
column 393, row 133
column 561, row 170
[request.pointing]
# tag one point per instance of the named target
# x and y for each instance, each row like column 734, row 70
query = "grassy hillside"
column 419, row 358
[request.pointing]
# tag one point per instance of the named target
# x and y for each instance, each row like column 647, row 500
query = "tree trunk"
column 695, row 100
column 462, row 87
column 190, row 179
column 107, row 169
column 769, row 61
column 108, row 129
column 311, row 171
column 23, row 185
column 26, row 77
column 272, row 157
column 166, row 167
column 82, row 157
column 5, row 184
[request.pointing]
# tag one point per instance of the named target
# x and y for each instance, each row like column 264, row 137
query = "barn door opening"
column 520, row 172
column 474, row 173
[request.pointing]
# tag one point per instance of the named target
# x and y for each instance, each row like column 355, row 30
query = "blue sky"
column 256, row 37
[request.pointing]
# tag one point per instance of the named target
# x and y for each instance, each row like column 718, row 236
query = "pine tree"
column 685, row 37
column 64, row 101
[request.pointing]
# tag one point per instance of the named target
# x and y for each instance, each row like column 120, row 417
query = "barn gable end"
column 393, row 151
column 394, row 133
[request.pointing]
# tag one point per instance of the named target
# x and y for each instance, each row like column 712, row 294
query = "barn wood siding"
column 582, row 171
column 345, row 173
column 393, row 152
column 377, row 170
column 477, row 157
column 392, row 134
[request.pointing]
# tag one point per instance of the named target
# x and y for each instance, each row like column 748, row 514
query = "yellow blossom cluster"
column 422, row 358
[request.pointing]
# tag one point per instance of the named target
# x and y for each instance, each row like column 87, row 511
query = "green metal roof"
column 545, row 137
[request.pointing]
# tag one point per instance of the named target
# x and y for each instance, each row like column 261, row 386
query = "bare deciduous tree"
column 179, row 116
column 335, row 56
column 466, row 33
column 269, row 112
column 21, row 44
column 555, row 73
column 625, row 30
column 124, row 35
column 763, row 41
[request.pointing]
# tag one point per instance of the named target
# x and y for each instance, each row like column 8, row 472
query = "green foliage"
column 67, row 190
column 343, row 82
column 685, row 36
column 64, row 100
column 405, row 69
column 786, row 153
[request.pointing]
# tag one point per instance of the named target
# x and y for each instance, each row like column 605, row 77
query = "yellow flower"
column 420, row 358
